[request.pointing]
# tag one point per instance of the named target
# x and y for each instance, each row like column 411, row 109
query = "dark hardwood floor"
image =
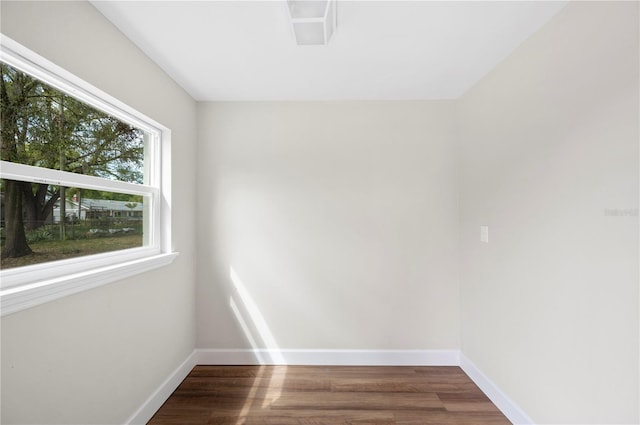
column 305, row 395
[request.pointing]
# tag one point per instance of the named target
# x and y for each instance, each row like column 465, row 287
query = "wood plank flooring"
column 314, row 395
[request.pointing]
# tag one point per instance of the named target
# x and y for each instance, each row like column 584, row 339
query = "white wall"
column 93, row 358
column 548, row 151
column 339, row 220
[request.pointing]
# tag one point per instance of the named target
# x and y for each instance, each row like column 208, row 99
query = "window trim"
column 28, row 286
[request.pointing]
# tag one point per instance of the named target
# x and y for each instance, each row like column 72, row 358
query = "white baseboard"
column 162, row 393
column 329, row 357
column 510, row 409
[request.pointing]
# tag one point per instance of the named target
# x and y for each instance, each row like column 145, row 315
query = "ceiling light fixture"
column 313, row 21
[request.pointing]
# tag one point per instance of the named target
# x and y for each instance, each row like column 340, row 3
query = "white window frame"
column 28, row 286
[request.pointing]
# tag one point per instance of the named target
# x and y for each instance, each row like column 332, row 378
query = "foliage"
column 44, row 127
column 41, row 234
column 54, row 130
column 100, row 194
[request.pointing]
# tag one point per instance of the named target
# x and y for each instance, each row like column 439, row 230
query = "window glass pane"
column 94, row 222
column 45, row 127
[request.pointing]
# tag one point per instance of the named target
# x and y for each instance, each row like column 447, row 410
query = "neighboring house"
column 98, row 208
column 90, row 209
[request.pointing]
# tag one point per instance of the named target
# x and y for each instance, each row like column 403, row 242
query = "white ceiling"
column 391, row 50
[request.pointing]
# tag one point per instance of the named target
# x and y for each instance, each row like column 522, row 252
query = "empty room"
column 320, row 212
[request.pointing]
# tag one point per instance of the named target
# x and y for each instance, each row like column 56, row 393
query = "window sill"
column 26, row 296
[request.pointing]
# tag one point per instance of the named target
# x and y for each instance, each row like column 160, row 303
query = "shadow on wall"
column 253, row 323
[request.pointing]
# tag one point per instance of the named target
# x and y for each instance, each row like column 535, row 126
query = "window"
column 84, row 184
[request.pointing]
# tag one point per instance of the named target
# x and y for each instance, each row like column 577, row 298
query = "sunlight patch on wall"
column 253, row 322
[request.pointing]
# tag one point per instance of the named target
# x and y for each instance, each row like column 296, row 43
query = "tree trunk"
column 36, row 207
column 16, row 241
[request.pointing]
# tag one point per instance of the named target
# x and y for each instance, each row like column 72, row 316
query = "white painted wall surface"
column 548, row 152
column 93, row 358
column 339, row 221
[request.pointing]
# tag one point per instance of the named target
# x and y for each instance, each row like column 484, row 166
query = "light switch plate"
column 484, row 234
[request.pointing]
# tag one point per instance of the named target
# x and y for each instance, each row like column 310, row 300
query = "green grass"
column 52, row 250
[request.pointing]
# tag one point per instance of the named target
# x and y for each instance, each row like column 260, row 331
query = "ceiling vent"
column 313, row 21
